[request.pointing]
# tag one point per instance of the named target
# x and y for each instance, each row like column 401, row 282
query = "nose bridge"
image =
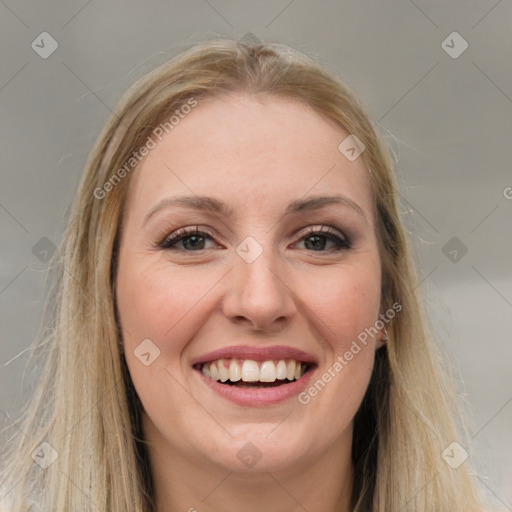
column 257, row 288
column 257, row 264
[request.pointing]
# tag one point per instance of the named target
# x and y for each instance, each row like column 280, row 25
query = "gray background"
column 448, row 119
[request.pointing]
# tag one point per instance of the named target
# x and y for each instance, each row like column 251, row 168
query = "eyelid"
column 335, row 235
column 164, row 235
column 322, row 228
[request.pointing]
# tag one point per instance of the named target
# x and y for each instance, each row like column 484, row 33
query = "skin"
column 257, row 155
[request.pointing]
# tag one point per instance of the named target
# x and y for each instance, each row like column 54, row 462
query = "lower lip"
column 258, row 396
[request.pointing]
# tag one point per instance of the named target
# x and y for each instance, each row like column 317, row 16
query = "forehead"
column 255, row 153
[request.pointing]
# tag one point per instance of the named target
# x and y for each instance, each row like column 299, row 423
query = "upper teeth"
column 248, row 370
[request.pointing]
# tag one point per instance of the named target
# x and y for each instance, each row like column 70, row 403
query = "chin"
column 260, row 449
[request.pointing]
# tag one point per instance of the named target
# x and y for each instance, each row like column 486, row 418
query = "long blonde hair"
column 85, row 406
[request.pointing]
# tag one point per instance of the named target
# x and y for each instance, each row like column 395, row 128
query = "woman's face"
column 259, row 296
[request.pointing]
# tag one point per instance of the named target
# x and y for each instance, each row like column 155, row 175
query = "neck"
column 182, row 484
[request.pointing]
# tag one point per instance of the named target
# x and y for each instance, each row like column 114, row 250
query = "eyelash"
column 184, row 233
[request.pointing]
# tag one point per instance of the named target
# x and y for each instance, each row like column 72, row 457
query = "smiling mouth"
column 247, row 373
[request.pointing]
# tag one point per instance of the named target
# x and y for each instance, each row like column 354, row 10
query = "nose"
column 259, row 293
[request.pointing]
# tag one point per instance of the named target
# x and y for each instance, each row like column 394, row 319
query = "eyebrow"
column 206, row 203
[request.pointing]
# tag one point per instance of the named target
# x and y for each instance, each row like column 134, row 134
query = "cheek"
column 167, row 306
column 346, row 302
column 154, row 304
column 152, row 299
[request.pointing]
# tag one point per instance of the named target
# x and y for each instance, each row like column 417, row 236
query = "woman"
column 238, row 323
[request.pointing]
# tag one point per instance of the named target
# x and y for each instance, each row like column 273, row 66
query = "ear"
column 382, row 338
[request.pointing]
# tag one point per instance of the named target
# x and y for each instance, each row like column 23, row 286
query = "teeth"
column 290, row 370
column 214, row 372
column 281, row 370
column 235, row 372
column 248, row 370
column 268, row 372
column 223, row 371
column 298, row 370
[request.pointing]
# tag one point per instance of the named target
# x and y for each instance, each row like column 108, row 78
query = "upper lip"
column 256, row 354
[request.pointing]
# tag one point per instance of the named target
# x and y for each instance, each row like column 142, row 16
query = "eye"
column 317, row 239
column 192, row 240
